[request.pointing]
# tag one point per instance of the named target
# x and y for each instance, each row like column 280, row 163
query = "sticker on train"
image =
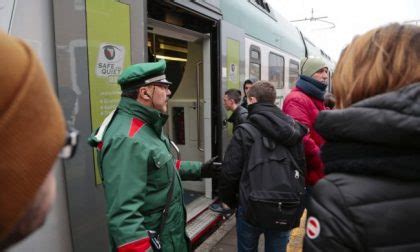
column 110, row 60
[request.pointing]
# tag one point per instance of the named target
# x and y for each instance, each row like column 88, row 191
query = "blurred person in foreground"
column 30, row 117
column 370, row 198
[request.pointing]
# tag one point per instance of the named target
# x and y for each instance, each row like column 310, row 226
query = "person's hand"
column 211, row 169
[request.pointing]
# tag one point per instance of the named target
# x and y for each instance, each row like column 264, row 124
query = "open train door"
column 185, row 34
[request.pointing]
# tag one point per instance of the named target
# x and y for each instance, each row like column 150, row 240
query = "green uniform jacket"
column 137, row 168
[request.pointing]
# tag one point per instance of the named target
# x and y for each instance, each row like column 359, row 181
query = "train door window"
column 174, row 51
column 276, row 70
column 293, row 73
column 255, row 63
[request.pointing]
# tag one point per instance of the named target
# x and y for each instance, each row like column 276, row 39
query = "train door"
column 233, row 71
column 187, row 55
column 186, row 35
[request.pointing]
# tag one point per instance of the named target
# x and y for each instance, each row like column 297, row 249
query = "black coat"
column 244, row 102
column 238, row 116
column 272, row 123
column 370, row 199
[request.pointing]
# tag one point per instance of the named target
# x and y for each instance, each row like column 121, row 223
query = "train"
column 209, row 46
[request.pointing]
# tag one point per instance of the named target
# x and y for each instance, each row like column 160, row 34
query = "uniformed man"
column 138, row 168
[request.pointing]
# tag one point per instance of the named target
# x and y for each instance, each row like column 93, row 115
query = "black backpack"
column 276, row 188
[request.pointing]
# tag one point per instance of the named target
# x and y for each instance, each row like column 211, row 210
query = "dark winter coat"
column 244, row 102
column 272, row 123
column 304, row 108
column 370, row 198
column 238, row 116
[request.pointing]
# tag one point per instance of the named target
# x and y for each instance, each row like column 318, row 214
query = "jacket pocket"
column 159, row 173
column 276, row 210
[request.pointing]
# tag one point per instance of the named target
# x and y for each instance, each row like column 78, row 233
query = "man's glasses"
column 166, row 87
column 70, row 145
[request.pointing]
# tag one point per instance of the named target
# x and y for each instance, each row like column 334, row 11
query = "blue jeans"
column 248, row 236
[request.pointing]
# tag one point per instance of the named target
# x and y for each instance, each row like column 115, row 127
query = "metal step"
column 199, row 225
column 197, row 206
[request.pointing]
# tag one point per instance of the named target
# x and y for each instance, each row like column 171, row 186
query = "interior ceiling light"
column 171, row 58
column 173, row 48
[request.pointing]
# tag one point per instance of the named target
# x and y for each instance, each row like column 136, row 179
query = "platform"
column 224, row 239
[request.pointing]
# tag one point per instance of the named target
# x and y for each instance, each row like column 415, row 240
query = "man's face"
column 321, row 75
column 36, row 214
column 246, row 88
column 227, row 102
column 159, row 95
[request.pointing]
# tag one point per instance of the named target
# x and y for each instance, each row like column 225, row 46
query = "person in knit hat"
column 304, row 103
column 30, row 117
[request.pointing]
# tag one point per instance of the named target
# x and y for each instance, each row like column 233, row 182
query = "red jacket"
column 305, row 109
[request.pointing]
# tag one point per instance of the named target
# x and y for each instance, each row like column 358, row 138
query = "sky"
column 351, row 18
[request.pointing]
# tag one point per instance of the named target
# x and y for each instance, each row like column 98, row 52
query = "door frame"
column 205, row 123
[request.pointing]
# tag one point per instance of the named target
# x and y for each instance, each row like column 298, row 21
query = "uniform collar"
column 151, row 116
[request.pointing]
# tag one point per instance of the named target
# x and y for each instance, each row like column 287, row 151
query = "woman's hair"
column 379, row 61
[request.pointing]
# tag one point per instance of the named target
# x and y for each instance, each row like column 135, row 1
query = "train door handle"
column 197, row 104
column 194, row 105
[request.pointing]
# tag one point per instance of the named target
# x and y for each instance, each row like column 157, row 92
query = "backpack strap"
column 256, row 135
column 250, row 129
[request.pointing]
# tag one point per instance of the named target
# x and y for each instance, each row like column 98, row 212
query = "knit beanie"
column 32, row 130
column 309, row 66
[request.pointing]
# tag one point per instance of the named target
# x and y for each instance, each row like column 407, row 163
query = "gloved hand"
column 211, row 169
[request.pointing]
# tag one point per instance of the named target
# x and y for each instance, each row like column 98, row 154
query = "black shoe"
column 218, row 208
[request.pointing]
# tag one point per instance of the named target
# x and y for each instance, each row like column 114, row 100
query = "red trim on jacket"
column 135, row 127
column 178, row 164
column 140, row 245
column 99, row 146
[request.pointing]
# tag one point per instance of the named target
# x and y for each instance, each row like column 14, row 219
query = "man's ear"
column 252, row 100
column 144, row 93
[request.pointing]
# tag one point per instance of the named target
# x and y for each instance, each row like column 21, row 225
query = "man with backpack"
column 265, row 164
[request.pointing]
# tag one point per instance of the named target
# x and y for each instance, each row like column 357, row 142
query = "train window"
column 174, row 51
column 263, row 6
column 254, row 63
column 293, row 73
column 276, row 70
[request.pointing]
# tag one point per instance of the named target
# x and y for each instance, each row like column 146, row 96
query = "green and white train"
column 209, row 45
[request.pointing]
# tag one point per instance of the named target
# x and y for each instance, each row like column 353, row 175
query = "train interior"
column 188, row 54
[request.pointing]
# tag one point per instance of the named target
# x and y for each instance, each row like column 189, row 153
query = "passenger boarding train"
column 209, row 46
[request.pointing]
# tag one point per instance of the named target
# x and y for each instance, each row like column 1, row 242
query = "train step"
column 201, row 219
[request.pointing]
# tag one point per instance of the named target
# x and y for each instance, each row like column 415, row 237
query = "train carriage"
column 209, row 46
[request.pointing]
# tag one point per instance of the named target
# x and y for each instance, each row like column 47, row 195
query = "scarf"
column 311, row 87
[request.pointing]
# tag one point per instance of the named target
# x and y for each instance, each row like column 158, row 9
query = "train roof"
column 264, row 24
